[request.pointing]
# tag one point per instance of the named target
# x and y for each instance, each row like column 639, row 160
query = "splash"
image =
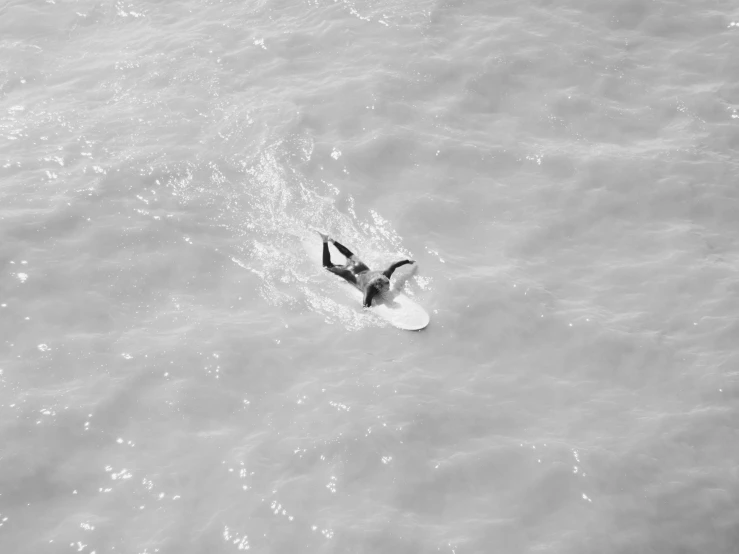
column 276, row 208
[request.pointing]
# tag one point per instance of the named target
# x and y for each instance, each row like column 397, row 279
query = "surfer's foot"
column 324, row 236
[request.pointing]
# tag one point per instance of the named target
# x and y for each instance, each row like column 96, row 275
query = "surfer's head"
column 380, row 283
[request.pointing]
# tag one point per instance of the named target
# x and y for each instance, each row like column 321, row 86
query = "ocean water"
column 177, row 375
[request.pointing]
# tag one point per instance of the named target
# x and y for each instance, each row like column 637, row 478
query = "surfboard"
column 394, row 306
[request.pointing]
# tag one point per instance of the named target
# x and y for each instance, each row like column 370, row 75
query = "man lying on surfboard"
column 357, row 273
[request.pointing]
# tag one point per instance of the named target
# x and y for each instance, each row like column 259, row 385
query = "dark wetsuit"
column 357, row 273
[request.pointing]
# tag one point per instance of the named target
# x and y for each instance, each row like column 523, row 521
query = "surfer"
column 357, row 273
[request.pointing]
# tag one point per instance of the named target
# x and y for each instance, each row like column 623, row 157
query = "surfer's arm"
column 343, row 272
column 369, row 294
column 389, row 271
